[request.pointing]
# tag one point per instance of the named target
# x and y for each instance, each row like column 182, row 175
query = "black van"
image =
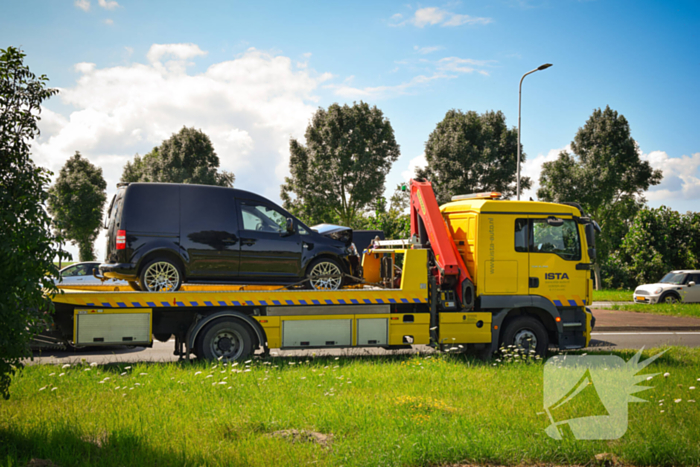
column 163, row 234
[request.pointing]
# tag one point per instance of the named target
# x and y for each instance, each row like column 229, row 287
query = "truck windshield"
column 672, row 278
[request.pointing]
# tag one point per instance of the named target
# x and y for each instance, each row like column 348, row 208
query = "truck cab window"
column 521, row 231
column 562, row 240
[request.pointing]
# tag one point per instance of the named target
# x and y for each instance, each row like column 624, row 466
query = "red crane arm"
column 427, row 221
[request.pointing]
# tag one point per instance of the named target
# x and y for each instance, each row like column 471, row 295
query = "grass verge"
column 612, row 295
column 691, row 310
column 390, row 410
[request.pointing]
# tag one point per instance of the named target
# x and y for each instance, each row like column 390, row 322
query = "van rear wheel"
column 160, row 275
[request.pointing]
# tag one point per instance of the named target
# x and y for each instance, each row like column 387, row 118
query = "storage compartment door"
column 317, row 333
column 110, row 327
column 373, row 331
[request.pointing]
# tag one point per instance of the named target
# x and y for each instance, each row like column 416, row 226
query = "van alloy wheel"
column 161, row 277
column 325, row 275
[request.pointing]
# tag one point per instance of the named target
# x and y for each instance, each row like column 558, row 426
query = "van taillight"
column 121, row 239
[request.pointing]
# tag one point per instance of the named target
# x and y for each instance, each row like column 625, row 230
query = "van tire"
column 325, row 266
column 521, row 329
column 160, row 275
column 224, row 339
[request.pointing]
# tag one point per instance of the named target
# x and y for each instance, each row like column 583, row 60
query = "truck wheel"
column 528, row 333
column 135, row 286
column 670, row 298
column 325, row 267
column 160, row 275
column 224, row 339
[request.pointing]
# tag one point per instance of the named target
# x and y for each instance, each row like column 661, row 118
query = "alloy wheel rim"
column 670, row 299
column 161, row 277
column 227, row 345
column 330, row 276
column 525, row 339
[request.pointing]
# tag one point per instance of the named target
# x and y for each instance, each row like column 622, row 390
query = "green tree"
column 604, row 174
column 658, row 241
column 27, row 246
column 342, row 167
column 395, row 221
column 76, row 203
column 472, row 153
column 186, row 157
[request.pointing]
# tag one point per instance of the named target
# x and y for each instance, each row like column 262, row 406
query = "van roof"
column 509, row 206
column 238, row 193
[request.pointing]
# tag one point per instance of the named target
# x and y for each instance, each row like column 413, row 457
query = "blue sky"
column 250, row 74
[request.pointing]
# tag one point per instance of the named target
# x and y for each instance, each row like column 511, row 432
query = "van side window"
column 521, row 231
column 257, row 216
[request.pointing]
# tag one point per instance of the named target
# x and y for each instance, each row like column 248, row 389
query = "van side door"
column 267, row 249
column 209, row 232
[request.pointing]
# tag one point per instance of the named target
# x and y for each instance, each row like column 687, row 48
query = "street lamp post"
column 520, row 95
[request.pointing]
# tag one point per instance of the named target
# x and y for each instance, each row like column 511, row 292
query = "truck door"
column 555, row 251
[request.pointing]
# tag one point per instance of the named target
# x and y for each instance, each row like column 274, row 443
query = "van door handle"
column 248, row 241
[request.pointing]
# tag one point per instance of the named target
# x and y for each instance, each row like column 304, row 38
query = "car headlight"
column 658, row 290
column 352, row 250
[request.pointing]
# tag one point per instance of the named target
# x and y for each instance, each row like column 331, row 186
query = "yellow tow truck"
column 478, row 272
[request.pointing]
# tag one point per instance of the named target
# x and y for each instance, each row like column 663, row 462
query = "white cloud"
column 108, row 4
column 82, row 4
column 249, row 106
column 417, row 162
column 177, row 51
column 109, row 22
column 464, row 65
column 681, row 177
column 533, row 167
column 427, row 50
column 431, row 16
column 380, row 92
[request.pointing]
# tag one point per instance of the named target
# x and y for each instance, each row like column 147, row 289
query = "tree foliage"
column 472, row 153
column 658, row 241
column 186, row 157
column 604, row 174
column 76, row 203
column 342, row 167
column 393, row 220
column 27, row 246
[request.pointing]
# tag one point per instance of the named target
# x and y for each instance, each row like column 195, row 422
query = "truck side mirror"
column 592, row 253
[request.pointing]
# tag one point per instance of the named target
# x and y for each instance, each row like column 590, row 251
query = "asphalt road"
column 163, row 351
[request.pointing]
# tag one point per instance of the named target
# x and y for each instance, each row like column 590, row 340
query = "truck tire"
column 670, row 298
column 224, row 339
column 527, row 333
column 160, row 275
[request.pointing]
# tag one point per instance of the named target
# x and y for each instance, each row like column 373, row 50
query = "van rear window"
column 152, row 208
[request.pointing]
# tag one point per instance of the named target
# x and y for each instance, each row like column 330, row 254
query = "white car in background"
column 82, row 274
column 676, row 286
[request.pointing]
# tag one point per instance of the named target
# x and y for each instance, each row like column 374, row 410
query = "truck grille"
column 641, row 292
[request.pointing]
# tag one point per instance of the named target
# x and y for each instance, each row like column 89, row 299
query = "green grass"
column 691, row 310
column 612, row 295
column 392, row 410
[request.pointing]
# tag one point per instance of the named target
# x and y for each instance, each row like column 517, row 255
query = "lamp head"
column 544, row 67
